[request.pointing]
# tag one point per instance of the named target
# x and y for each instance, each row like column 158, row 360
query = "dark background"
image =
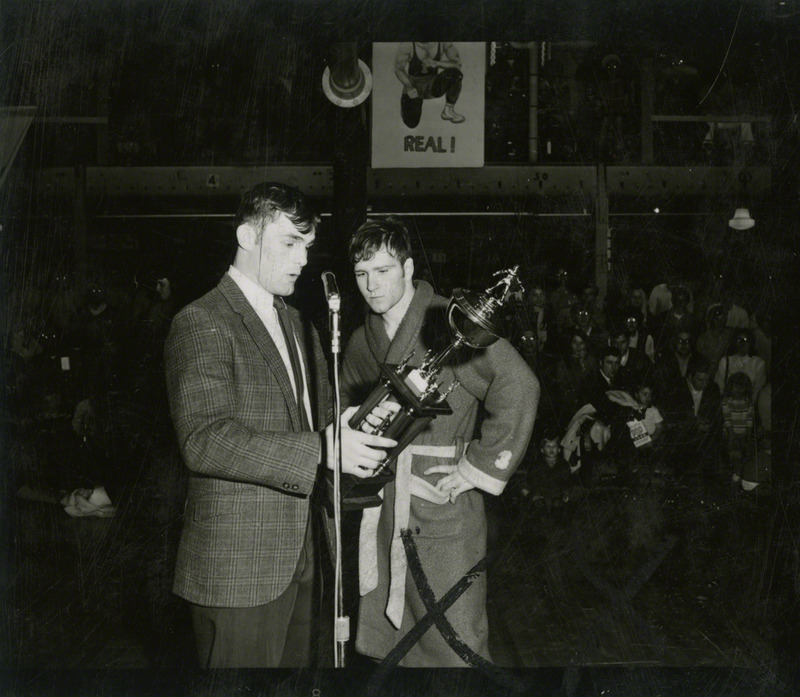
column 238, row 84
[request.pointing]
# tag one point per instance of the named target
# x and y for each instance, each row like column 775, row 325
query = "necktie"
column 294, row 358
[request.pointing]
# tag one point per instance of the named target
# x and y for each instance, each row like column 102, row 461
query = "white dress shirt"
column 262, row 302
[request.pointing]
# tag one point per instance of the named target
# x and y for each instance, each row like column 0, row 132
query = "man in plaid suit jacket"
column 253, row 428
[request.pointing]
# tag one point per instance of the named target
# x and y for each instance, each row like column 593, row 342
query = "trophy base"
column 358, row 493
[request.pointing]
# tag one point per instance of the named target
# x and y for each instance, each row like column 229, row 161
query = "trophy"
column 475, row 321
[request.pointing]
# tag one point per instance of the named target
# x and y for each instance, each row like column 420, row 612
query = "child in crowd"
column 550, row 480
column 738, row 419
column 650, row 415
column 646, row 427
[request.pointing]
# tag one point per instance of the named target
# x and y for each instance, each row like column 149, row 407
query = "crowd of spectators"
column 84, row 382
column 649, row 383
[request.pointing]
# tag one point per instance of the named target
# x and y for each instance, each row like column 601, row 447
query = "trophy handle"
column 473, row 324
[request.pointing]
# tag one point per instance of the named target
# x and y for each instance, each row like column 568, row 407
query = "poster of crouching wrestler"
column 428, row 104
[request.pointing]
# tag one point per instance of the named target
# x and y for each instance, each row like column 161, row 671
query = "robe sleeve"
column 360, row 372
column 500, row 378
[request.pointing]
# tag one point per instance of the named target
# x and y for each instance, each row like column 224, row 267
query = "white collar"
column 255, row 294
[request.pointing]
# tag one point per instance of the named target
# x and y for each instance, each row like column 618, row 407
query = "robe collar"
column 405, row 338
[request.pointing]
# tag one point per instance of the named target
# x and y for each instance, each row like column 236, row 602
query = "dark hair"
column 571, row 334
column 681, row 292
column 390, row 232
column 609, row 351
column 740, row 380
column 265, row 201
column 698, row 363
column 617, row 331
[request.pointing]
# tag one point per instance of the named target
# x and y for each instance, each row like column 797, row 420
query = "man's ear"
column 246, row 236
column 408, row 268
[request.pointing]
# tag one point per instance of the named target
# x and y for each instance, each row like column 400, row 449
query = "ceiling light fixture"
column 741, row 220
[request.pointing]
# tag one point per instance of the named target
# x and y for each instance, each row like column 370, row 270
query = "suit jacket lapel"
column 258, row 332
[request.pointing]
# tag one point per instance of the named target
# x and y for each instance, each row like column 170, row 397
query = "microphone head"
column 329, row 284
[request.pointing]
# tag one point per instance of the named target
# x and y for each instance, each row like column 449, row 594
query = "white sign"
column 428, row 104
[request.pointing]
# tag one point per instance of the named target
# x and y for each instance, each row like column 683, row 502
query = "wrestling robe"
column 450, row 537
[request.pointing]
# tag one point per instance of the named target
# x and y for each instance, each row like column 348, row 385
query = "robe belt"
column 406, row 485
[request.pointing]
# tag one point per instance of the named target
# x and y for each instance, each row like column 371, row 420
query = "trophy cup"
column 475, row 321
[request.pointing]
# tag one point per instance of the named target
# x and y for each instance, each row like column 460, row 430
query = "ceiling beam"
column 501, row 181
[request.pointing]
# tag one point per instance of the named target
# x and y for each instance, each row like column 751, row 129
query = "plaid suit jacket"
column 252, row 468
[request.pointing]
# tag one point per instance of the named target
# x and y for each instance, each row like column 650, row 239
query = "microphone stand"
column 342, row 622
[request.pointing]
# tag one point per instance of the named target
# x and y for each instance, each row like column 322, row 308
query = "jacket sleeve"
column 500, row 378
column 214, row 437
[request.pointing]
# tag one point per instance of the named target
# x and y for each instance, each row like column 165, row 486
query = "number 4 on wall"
column 212, row 181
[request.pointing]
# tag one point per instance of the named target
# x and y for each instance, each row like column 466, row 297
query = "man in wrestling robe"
column 442, row 476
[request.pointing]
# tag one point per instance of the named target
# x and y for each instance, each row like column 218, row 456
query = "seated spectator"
column 582, row 321
column 661, row 300
column 159, row 317
column 715, row 341
column 639, row 336
column 550, row 478
column 529, row 349
column 738, row 427
column 604, row 378
column 561, row 300
column 96, row 344
column 542, row 367
column 50, row 378
column 677, row 319
column 538, row 315
column 589, row 301
column 22, row 352
column 638, row 298
column 737, row 317
column 694, row 414
column 24, row 344
column 741, row 360
column 583, row 443
column 617, row 415
column 514, row 315
column 634, row 424
column 671, row 367
column 571, row 371
column 649, row 415
column 633, row 364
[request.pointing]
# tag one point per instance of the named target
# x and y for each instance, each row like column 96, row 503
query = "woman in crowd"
column 571, row 370
column 740, row 359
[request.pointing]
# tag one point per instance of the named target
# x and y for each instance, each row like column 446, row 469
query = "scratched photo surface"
column 637, row 161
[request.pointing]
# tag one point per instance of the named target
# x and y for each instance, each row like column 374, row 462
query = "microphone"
column 331, row 290
column 334, row 303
